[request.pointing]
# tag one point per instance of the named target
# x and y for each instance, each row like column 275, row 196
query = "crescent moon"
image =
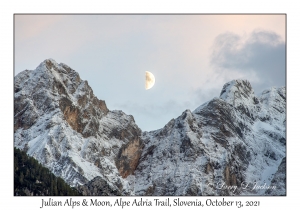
column 150, row 80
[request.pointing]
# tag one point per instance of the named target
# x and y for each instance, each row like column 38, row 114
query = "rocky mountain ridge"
column 60, row 122
column 234, row 140
column 237, row 139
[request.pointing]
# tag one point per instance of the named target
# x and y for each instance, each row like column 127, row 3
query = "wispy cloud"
column 113, row 52
column 259, row 57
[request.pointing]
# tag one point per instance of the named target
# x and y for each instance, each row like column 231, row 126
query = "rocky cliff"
column 60, row 122
column 237, row 139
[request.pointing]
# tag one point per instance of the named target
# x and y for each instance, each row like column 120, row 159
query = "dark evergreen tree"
column 31, row 178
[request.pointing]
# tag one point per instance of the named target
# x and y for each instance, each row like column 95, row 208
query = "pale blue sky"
column 191, row 56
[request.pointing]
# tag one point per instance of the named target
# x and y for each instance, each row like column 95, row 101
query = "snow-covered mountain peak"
column 52, row 64
column 48, row 63
column 231, row 139
column 59, row 121
column 238, row 92
column 272, row 93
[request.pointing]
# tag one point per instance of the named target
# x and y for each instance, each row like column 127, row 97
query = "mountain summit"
column 60, row 122
column 230, row 145
column 237, row 140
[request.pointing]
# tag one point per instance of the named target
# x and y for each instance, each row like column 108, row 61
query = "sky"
column 191, row 56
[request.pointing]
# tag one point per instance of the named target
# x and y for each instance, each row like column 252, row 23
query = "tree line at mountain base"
column 32, row 179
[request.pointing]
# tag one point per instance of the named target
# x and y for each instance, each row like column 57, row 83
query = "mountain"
column 31, row 178
column 61, row 123
column 237, row 139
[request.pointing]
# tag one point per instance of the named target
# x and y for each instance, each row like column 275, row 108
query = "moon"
column 150, row 80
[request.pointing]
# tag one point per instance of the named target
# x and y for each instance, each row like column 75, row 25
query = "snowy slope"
column 237, row 140
column 60, row 122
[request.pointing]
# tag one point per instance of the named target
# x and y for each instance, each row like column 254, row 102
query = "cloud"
column 112, row 52
column 259, row 57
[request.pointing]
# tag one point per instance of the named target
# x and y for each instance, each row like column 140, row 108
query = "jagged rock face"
column 237, row 92
column 99, row 186
column 279, row 180
column 73, row 96
column 235, row 139
column 232, row 140
column 59, row 121
column 128, row 157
